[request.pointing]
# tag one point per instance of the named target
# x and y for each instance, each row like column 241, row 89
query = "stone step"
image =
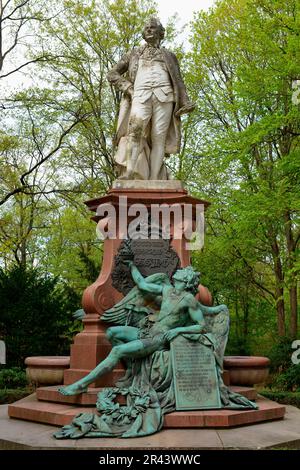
column 57, row 414
column 51, row 394
column 268, row 410
column 247, row 392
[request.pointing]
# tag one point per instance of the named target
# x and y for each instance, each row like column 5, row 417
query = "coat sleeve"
column 115, row 75
column 183, row 98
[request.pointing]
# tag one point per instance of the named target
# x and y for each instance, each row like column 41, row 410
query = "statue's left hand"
column 187, row 108
column 171, row 334
column 129, row 92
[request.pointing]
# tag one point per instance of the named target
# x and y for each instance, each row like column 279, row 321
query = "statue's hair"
column 155, row 20
column 190, row 277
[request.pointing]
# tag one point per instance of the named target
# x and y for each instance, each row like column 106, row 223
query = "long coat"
column 129, row 63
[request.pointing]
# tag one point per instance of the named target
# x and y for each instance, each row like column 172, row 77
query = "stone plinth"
column 148, row 184
column 268, row 410
column 57, row 414
column 284, row 433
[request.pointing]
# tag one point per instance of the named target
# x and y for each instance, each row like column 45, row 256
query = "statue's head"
column 153, row 31
column 187, row 279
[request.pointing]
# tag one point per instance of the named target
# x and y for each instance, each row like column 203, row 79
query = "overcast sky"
column 167, row 8
column 184, row 8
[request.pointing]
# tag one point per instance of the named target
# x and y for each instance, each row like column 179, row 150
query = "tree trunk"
column 280, row 311
column 291, row 248
column 279, row 287
column 294, row 309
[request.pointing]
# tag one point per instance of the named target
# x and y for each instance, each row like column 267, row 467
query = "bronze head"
column 190, row 277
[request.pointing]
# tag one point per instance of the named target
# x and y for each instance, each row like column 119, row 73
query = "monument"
column 152, row 347
column 154, row 98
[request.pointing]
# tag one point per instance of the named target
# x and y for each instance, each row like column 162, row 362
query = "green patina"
column 152, row 315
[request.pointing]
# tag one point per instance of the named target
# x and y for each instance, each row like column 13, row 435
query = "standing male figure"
column 154, row 98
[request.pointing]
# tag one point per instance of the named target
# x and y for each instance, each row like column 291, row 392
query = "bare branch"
column 18, row 7
column 24, row 185
column 39, row 59
column 53, row 191
column 12, row 193
column 5, row 5
column 46, row 157
column 15, row 41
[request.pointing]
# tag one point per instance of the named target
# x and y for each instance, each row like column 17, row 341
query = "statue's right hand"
column 129, row 92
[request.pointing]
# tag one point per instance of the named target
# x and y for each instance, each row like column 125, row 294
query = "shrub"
column 35, row 314
column 237, row 347
column 285, row 398
column 281, row 355
column 10, row 396
column 285, row 375
column 14, row 377
column 288, row 380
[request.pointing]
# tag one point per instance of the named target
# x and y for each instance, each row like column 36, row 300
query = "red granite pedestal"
column 91, row 346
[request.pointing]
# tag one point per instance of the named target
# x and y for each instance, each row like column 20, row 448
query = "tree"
column 72, row 250
column 35, row 314
column 71, row 118
column 243, row 62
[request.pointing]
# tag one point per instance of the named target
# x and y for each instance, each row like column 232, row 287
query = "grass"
column 285, row 398
column 8, row 395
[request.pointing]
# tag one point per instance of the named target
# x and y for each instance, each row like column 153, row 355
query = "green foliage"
column 35, row 314
column 238, row 346
column 288, row 380
column 12, row 395
column 285, row 375
column 15, row 377
column 280, row 355
column 242, row 154
column 72, row 250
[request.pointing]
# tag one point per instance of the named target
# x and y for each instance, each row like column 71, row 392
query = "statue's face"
column 179, row 280
column 179, row 285
column 152, row 33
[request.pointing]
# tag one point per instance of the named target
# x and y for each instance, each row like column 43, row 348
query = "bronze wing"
column 136, row 304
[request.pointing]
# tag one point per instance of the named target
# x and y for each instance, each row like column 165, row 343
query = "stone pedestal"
column 91, row 346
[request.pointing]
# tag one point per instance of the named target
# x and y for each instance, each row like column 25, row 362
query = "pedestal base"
column 51, row 394
column 285, row 433
column 59, row 414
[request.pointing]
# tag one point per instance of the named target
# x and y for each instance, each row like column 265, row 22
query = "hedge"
column 285, row 398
